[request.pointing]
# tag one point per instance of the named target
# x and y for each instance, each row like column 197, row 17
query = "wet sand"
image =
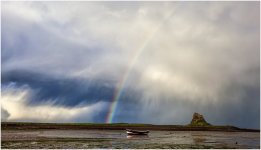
column 82, row 139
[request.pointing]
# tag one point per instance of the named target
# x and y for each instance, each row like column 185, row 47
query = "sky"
column 133, row 62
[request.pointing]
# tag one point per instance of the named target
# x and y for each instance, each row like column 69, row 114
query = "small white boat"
column 137, row 132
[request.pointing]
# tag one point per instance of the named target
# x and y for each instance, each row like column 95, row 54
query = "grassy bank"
column 116, row 126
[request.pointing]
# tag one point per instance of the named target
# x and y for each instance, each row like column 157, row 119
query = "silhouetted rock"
column 198, row 120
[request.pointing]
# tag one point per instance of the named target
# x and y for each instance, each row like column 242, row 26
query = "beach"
column 66, row 138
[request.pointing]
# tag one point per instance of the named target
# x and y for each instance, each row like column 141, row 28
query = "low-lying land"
column 117, row 126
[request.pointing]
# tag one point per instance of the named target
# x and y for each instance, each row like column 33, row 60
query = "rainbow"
column 121, row 84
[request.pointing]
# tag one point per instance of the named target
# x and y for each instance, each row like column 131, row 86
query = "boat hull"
column 134, row 132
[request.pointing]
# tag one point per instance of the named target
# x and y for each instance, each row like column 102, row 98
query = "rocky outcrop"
column 198, row 120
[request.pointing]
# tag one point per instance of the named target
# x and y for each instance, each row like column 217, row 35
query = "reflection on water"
column 199, row 140
column 137, row 136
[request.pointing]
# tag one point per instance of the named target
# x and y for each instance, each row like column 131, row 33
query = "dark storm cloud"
column 243, row 114
column 62, row 91
column 47, row 48
column 71, row 93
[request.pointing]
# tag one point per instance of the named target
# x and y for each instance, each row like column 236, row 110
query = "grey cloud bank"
column 188, row 57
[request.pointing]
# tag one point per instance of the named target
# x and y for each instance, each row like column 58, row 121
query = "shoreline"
column 117, row 126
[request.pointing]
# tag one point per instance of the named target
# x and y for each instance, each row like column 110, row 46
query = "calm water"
column 119, row 139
